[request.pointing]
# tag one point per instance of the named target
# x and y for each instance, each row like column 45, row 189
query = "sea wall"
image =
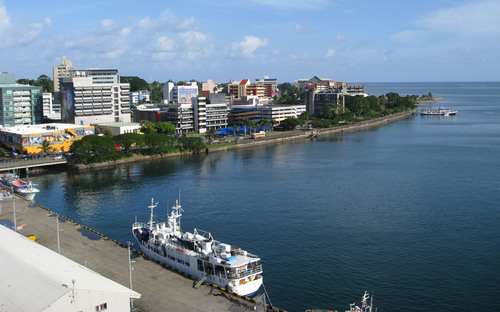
column 269, row 139
column 306, row 134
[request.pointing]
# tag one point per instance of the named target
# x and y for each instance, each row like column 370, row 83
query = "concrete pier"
column 161, row 289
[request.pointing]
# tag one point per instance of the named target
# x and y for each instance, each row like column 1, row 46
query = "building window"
column 101, row 307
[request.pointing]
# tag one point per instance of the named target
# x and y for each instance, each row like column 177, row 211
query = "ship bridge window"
column 219, row 270
column 209, row 268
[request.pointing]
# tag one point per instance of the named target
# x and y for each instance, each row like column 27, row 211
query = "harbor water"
column 409, row 211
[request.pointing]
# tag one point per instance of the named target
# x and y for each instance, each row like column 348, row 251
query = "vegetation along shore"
column 158, row 140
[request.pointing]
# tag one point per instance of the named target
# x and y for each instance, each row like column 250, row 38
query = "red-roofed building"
column 245, row 88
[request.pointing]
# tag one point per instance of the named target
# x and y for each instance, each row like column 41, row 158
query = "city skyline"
column 345, row 40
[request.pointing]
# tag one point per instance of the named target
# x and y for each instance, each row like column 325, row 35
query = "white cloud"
column 330, row 53
column 4, row 18
column 294, row 4
column 248, row 46
column 301, row 29
column 15, row 34
column 192, row 38
column 341, row 38
column 145, row 22
column 107, row 23
column 471, row 19
column 165, row 44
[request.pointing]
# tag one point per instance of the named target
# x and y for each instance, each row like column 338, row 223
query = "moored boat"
column 11, row 182
column 365, row 306
column 198, row 254
column 441, row 111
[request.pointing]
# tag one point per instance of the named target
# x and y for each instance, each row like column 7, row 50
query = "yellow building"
column 29, row 138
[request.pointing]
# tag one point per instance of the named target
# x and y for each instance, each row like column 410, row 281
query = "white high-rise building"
column 179, row 94
column 94, row 96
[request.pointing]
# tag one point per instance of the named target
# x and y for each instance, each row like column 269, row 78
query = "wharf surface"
column 161, row 289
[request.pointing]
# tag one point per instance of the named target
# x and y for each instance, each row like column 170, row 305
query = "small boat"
column 198, row 254
column 441, row 111
column 11, row 182
column 25, row 189
column 365, row 306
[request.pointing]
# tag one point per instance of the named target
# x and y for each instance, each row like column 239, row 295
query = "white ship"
column 11, row 182
column 441, row 111
column 198, row 254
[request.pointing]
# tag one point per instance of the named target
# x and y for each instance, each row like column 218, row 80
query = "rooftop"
column 30, row 270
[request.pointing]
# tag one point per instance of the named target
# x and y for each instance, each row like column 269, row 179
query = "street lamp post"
column 130, row 269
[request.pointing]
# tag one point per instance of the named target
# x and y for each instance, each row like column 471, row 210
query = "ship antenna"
column 152, row 207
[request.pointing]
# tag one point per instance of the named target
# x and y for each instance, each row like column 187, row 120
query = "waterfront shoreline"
column 272, row 138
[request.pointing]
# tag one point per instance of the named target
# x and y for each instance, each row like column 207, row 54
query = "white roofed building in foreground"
column 35, row 278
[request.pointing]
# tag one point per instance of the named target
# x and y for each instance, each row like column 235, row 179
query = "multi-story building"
column 94, row 96
column 137, row 97
column 198, row 116
column 317, row 92
column 245, row 88
column 19, row 104
column 269, row 112
column 270, row 86
column 30, row 138
column 180, row 93
column 58, row 72
column 210, row 86
column 181, row 116
column 48, row 106
column 280, row 112
column 216, row 111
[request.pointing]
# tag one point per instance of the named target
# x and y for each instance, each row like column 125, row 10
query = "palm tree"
column 235, row 127
column 46, row 147
column 254, row 125
column 265, row 123
column 210, row 135
column 245, row 123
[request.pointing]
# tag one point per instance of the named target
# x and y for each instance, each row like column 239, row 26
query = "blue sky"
column 345, row 40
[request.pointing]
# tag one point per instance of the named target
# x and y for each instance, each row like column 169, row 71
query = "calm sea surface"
column 409, row 211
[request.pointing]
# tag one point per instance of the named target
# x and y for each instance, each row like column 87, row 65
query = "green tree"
column 147, row 127
column 94, row 149
column 46, row 83
column 290, row 123
column 210, row 135
column 265, row 123
column 136, row 83
column 164, row 127
column 194, row 144
column 245, row 122
column 107, row 132
column 156, row 90
column 46, row 148
column 329, row 111
column 127, row 140
column 159, row 143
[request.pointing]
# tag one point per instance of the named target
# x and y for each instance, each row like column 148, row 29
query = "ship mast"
column 152, row 207
column 176, row 213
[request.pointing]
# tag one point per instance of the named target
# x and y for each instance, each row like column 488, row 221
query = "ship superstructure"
column 198, row 253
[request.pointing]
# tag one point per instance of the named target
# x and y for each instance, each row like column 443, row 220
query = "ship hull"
column 181, row 260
